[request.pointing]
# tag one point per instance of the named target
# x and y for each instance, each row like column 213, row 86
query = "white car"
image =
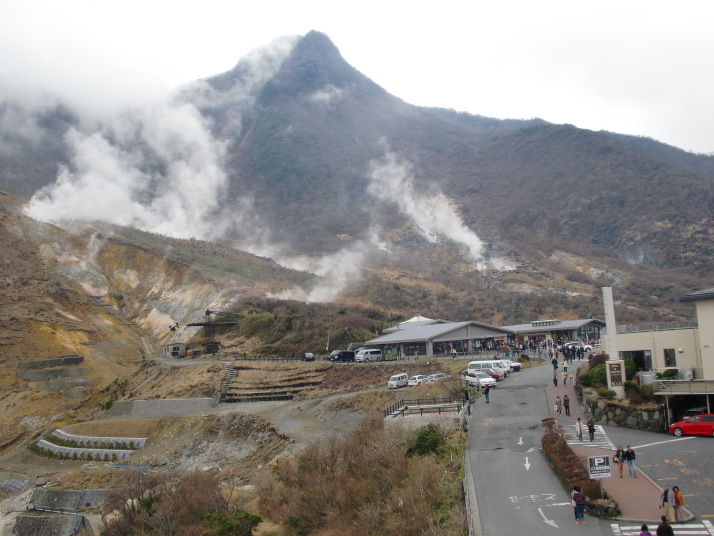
column 585, row 347
column 478, row 379
column 438, row 377
column 416, row 380
column 515, row 365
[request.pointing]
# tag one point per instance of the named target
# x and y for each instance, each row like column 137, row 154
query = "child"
column 644, row 531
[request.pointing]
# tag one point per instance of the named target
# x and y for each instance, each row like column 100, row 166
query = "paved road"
column 517, row 492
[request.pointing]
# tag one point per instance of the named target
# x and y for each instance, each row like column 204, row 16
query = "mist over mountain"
column 295, row 155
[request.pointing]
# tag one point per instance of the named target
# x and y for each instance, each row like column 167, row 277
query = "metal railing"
column 656, row 326
column 690, row 387
column 402, row 405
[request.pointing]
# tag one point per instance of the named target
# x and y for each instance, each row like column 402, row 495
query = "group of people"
column 625, row 456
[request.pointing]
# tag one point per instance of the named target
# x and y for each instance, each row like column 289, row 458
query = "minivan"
column 365, row 356
column 342, row 355
column 398, row 380
column 496, row 365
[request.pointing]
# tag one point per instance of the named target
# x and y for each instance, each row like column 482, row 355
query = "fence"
column 425, row 405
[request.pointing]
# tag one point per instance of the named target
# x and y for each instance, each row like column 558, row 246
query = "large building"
column 684, row 347
column 587, row 330
column 426, row 337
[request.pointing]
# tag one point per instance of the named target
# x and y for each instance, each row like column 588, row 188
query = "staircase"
column 230, row 376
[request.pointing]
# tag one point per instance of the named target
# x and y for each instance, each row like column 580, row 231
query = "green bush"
column 523, row 358
column 630, row 369
column 631, row 388
column 428, row 440
column 668, row 374
column 647, row 392
column 606, row 393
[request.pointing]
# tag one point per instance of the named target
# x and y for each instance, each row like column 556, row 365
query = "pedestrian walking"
column 579, row 499
column 566, row 405
column 453, row 353
column 486, row 391
column 619, row 459
column 630, row 459
column 558, row 405
column 572, row 503
column 591, row 428
column 666, row 502
column 579, row 429
column 665, row 529
column 645, row 531
column 565, row 365
column 678, row 504
column 554, row 362
column 555, row 378
column 565, row 378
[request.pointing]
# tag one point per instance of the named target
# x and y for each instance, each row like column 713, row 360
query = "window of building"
column 669, row 358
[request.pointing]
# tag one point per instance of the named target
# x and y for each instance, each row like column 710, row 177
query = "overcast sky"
column 635, row 67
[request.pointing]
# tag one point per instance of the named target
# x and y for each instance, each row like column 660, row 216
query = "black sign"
column 599, row 466
column 615, row 374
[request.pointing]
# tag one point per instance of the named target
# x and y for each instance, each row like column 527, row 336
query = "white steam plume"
column 158, row 169
column 392, row 180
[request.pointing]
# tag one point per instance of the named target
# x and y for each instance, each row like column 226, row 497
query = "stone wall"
column 617, row 413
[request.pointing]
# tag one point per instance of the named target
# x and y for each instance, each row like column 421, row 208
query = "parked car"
column 342, row 356
column 365, row 356
column 582, row 346
column 696, row 425
column 496, row 375
column 495, row 364
column 308, row 356
column 416, row 380
column 398, row 380
column 478, row 379
column 515, row 365
column 438, row 377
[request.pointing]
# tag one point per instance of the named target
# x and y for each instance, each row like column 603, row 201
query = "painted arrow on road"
column 528, row 465
column 546, row 520
column 520, row 440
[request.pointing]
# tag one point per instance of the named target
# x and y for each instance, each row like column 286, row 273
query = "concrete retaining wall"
column 75, row 454
column 55, row 525
column 162, row 408
column 63, row 361
column 109, row 442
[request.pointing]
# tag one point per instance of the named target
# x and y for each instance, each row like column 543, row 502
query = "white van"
column 365, row 356
column 497, row 365
column 398, row 380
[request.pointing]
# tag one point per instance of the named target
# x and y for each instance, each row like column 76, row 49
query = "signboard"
column 599, row 466
column 615, row 369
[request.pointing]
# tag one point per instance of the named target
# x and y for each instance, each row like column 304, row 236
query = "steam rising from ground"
column 392, row 180
column 158, row 169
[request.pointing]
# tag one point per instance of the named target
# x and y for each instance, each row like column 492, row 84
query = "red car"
column 498, row 376
column 696, row 425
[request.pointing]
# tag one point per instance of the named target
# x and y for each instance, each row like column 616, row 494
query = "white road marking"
column 664, row 442
column 520, row 440
column 546, row 520
column 704, row 528
column 528, row 465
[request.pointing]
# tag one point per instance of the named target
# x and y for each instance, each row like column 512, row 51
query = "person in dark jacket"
column 486, row 391
column 665, row 529
column 579, row 499
column 591, row 428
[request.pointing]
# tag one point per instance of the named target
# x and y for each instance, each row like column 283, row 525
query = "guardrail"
column 678, row 387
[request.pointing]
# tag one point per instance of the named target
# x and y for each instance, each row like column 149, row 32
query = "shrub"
column 631, row 388
column 429, row 440
column 647, row 392
column 668, row 374
column 596, row 360
column 604, row 392
column 630, row 369
column 523, row 358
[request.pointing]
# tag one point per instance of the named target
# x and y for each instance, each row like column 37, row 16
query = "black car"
column 342, row 356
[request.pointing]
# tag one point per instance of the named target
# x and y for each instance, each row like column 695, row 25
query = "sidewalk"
column 637, row 497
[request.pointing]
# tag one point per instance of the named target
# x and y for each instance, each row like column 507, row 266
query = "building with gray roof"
column 427, row 337
column 588, row 330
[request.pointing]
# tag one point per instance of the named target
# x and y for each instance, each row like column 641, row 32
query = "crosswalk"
column 705, row 528
column 601, row 441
